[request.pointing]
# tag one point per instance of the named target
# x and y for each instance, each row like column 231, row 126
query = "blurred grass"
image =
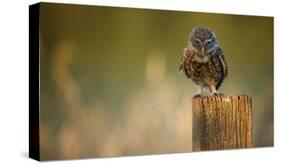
column 110, row 84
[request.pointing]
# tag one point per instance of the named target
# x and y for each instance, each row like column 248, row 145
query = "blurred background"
column 110, row 84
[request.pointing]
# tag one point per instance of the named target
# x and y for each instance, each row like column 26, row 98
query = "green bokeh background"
column 110, row 84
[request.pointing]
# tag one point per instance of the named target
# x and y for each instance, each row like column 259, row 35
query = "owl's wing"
column 223, row 64
column 224, row 67
column 185, row 60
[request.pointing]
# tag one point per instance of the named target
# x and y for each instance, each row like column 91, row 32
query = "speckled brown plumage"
column 203, row 62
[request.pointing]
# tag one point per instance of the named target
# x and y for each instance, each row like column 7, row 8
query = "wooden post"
column 221, row 122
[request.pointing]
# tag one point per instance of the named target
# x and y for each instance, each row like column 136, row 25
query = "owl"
column 203, row 61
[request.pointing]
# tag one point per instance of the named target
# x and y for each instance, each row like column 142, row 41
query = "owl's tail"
column 219, row 84
column 181, row 68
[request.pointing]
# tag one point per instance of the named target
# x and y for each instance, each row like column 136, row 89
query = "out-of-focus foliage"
column 110, row 84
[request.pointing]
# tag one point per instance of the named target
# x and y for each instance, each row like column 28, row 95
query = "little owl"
column 203, row 61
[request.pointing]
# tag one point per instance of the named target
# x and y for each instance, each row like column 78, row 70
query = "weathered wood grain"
column 221, row 122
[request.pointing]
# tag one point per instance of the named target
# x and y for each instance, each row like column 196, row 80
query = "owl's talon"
column 218, row 94
column 221, row 94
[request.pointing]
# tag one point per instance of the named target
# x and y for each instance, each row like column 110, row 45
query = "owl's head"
column 203, row 40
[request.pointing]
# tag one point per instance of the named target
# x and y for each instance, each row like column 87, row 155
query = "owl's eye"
column 208, row 42
column 197, row 42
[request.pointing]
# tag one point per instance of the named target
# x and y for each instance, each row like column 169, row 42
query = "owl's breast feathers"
column 212, row 72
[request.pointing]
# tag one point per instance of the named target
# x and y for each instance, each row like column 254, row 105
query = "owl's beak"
column 202, row 50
